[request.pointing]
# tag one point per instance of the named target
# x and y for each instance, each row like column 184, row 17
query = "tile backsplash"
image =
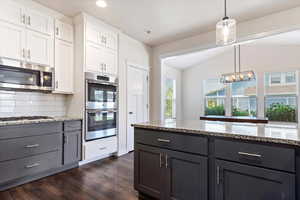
column 31, row 104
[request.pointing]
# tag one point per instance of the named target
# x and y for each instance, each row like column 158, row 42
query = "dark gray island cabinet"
column 188, row 166
column 35, row 150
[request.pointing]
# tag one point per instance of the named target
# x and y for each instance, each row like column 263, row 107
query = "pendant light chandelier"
column 237, row 76
column 226, row 29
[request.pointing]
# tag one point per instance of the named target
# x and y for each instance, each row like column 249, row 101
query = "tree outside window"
column 215, row 93
column 170, row 99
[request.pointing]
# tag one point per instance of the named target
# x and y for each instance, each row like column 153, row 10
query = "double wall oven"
column 101, row 106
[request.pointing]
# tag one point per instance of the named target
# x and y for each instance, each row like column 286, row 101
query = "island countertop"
column 273, row 133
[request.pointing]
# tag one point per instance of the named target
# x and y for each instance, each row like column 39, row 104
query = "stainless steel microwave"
column 25, row 77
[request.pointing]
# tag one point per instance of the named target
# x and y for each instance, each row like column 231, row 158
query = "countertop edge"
column 221, row 134
column 55, row 119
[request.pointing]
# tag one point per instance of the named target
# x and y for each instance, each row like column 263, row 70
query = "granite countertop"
column 274, row 133
column 53, row 119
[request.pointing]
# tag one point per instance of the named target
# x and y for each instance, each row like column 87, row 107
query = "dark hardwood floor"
column 109, row 179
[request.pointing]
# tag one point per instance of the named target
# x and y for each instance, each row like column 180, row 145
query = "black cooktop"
column 5, row 119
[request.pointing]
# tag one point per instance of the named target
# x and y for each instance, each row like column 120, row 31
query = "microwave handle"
column 42, row 79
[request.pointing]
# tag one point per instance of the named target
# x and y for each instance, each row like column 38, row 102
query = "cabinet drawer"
column 256, row 154
column 8, row 132
column 180, row 142
column 28, row 146
column 14, row 169
column 100, row 147
column 72, row 125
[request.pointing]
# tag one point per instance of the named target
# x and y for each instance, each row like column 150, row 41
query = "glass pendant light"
column 226, row 29
column 237, row 76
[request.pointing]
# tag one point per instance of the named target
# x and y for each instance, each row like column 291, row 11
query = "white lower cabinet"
column 39, row 48
column 64, row 67
column 12, row 41
column 100, row 148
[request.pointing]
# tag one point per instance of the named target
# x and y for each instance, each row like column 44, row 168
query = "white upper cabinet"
column 38, row 48
column 11, row 12
column 101, row 50
column 38, row 22
column 100, row 36
column 64, row 31
column 64, row 67
column 12, row 41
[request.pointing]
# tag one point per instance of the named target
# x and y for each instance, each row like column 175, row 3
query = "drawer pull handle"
column 102, row 148
column 249, row 154
column 32, row 146
column 163, row 140
column 33, row 165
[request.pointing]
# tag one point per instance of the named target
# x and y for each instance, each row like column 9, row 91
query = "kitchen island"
column 201, row 160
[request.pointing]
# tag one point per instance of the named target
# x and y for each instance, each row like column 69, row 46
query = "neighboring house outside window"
column 244, row 101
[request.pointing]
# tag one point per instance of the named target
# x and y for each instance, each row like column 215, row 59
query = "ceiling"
column 168, row 20
column 188, row 60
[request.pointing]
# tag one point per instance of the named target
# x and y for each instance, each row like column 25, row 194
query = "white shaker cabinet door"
column 64, row 31
column 12, row 40
column 110, row 58
column 64, row 67
column 94, row 58
column 39, row 48
column 111, row 40
column 93, row 34
column 11, row 12
column 38, row 22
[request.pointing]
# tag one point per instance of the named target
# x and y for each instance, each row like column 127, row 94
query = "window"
column 281, row 98
column 170, row 99
column 215, row 94
column 281, row 78
column 244, row 98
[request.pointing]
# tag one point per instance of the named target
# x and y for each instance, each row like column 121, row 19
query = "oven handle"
column 101, row 111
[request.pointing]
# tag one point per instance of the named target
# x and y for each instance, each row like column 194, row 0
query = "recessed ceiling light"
column 101, row 3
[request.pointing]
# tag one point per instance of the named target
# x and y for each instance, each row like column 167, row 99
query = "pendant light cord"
column 234, row 60
column 225, row 7
column 239, row 58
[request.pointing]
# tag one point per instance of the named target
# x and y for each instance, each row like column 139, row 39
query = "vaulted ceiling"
column 168, row 20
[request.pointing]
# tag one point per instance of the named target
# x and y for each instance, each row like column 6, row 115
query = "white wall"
column 253, row 57
column 278, row 22
column 175, row 74
column 133, row 52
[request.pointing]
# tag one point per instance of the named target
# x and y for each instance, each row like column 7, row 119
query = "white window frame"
column 260, row 96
